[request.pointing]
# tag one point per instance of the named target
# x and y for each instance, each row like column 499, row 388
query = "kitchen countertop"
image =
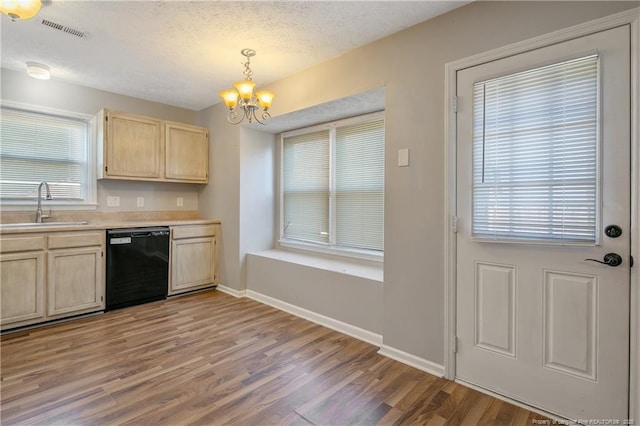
column 9, row 228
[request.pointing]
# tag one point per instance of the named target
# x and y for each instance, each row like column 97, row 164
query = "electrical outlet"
column 140, row 201
column 113, row 201
column 179, row 201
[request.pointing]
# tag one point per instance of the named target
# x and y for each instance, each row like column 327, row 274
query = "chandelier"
column 241, row 101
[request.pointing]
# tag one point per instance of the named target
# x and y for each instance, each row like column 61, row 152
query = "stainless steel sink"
column 32, row 224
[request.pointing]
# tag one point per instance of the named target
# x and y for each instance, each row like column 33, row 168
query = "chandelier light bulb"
column 265, row 98
column 230, row 98
column 20, row 9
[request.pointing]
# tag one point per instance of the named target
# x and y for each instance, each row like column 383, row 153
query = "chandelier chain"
column 247, row 69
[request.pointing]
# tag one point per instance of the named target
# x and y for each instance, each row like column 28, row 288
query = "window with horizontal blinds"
column 359, row 185
column 333, row 185
column 37, row 147
column 306, row 187
column 535, row 154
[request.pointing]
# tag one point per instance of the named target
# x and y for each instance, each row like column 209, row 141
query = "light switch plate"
column 403, row 157
column 179, row 201
column 140, row 201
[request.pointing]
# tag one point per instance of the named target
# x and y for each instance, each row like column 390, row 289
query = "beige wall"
column 257, row 194
column 353, row 298
column 18, row 87
column 221, row 198
column 56, row 94
column 410, row 65
column 240, row 191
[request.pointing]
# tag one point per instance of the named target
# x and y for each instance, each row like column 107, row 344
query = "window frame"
column 90, row 202
column 331, row 248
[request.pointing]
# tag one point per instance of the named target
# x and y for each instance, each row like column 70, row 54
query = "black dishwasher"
column 137, row 266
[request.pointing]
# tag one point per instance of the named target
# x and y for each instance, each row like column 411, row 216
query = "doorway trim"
column 630, row 17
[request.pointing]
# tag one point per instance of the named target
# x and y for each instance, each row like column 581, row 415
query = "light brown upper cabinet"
column 135, row 147
column 187, row 152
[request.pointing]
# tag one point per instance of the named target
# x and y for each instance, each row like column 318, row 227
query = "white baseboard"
column 232, row 291
column 342, row 327
column 412, row 360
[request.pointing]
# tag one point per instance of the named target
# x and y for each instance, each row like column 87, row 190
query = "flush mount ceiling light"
column 39, row 71
column 20, row 9
column 241, row 101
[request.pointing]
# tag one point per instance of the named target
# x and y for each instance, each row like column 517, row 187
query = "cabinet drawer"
column 77, row 239
column 16, row 244
column 193, row 231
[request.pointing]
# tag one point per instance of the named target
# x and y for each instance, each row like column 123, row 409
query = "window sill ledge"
column 330, row 252
column 358, row 268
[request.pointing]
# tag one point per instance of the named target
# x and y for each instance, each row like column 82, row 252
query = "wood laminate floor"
column 210, row 359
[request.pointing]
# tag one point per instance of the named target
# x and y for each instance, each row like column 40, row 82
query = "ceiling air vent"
column 63, row 28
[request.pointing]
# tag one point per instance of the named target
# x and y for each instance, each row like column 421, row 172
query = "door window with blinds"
column 536, row 153
column 333, row 185
column 40, row 147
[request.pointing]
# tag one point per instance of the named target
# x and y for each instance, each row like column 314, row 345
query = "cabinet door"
column 187, row 153
column 192, row 264
column 133, row 146
column 74, row 280
column 22, row 287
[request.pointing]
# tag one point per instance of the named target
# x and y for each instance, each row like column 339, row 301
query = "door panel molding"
column 567, row 352
column 495, row 305
column 629, row 17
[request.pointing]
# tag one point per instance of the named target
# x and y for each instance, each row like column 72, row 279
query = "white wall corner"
column 342, row 327
column 412, row 360
column 233, row 292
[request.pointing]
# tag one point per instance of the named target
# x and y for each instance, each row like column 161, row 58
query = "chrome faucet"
column 39, row 215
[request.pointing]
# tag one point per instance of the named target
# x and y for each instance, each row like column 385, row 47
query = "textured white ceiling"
column 183, row 53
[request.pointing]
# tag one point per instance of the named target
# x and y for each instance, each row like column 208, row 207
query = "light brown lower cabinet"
column 50, row 276
column 22, row 273
column 56, row 275
column 74, row 274
column 194, row 254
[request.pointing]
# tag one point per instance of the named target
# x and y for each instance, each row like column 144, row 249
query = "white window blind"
column 37, row 147
column 333, row 185
column 360, row 185
column 306, row 187
column 535, row 154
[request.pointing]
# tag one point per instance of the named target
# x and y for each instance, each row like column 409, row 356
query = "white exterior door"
column 543, row 170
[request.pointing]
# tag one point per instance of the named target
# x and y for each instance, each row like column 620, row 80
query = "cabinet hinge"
column 101, row 254
column 455, row 345
column 631, row 261
column 106, row 168
column 101, row 298
column 454, row 104
column 454, row 224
